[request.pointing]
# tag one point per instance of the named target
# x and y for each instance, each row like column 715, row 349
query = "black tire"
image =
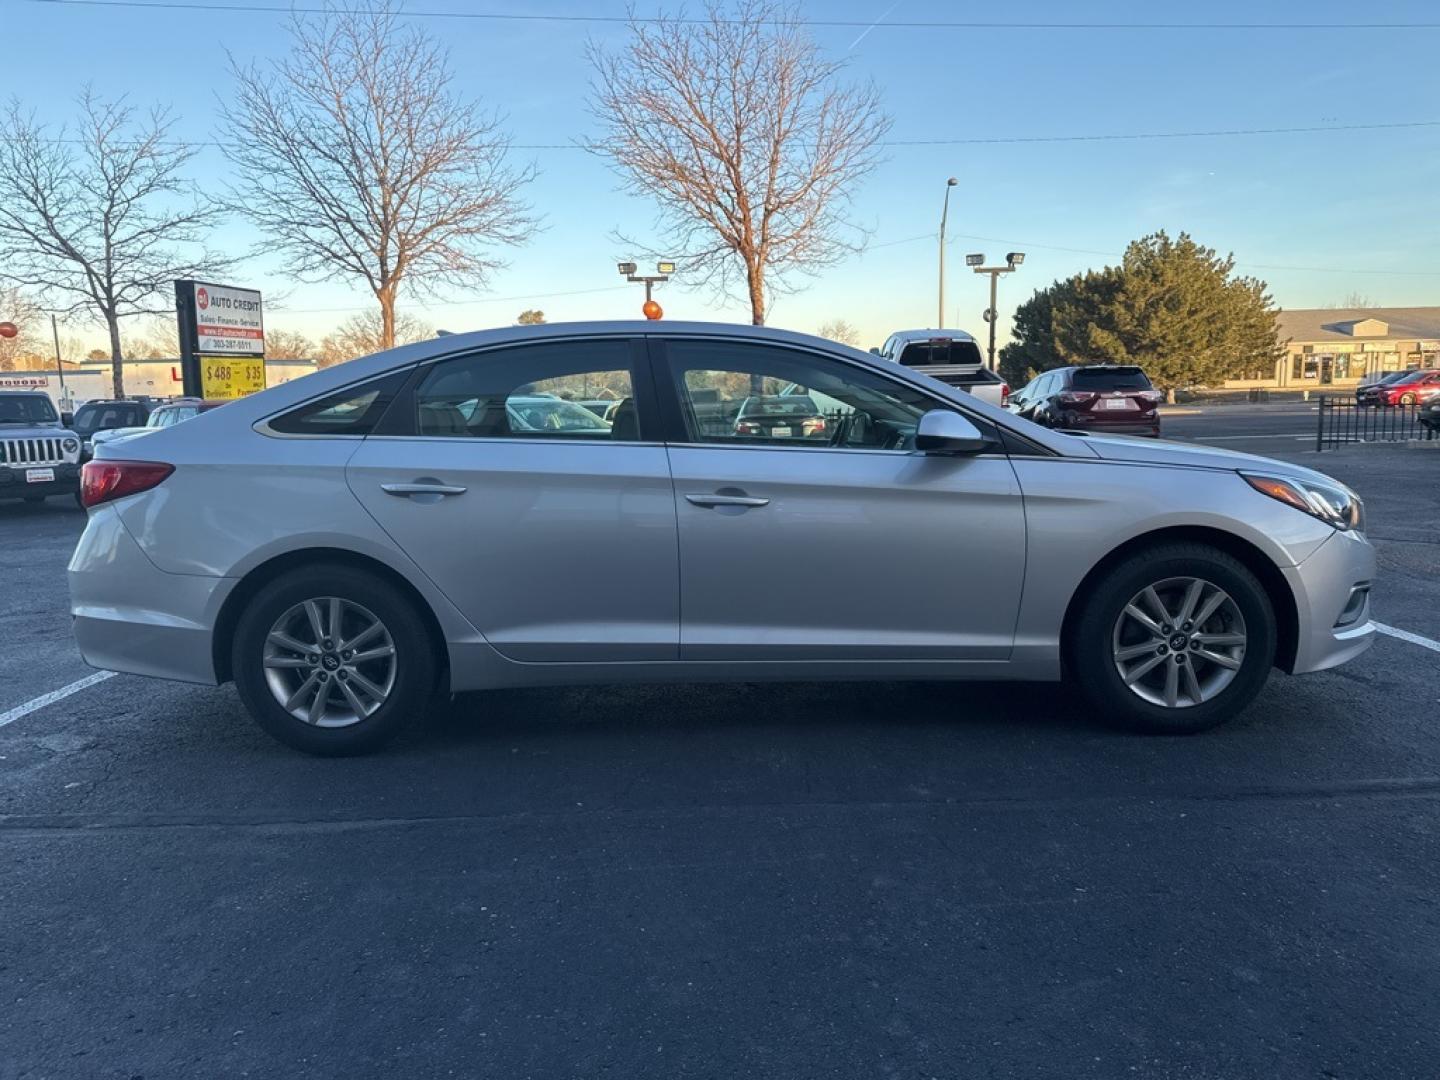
column 1090, row 661
column 1407, row 399
column 415, row 662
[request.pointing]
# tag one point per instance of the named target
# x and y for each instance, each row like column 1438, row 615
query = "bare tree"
column 288, row 345
column 841, row 331
column 357, row 159
column 31, row 323
column 98, row 218
column 739, row 128
column 363, row 334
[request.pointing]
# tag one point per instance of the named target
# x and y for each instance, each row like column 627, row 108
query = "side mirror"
column 874, row 352
column 943, row 432
column 67, row 419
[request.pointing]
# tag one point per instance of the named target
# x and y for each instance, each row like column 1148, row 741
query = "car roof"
column 932, row 335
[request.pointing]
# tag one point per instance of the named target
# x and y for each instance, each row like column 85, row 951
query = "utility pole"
column 944, row 213
column 977, row 263
column 59, row 364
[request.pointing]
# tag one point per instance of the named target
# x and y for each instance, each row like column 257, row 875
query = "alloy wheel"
column 1179, row 642
column 329, row 662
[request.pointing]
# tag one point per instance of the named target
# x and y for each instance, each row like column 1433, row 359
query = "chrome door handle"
column 725, row 500
column 422, row 489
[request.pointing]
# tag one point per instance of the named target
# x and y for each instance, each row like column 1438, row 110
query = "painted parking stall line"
column 35, row 704
column 1406, row 635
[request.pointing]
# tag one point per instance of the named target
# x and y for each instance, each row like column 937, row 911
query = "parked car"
column 172, row 412
column 39, row 456
column 1368, row 392
column 343, row 562
column 781, row 416
column 1114, row 398
column 952, row 356
column 1404, row 388
column 1429, row 415
column 105, row 415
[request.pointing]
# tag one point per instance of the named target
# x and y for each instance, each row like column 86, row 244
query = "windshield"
column 27, row 409
column 941, row 352
column 1099, row 380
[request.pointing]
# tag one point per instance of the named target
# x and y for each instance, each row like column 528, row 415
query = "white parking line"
column 55, row 695
column 1406, row 635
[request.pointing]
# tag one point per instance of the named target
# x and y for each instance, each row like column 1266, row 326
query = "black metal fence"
column 1344, row 420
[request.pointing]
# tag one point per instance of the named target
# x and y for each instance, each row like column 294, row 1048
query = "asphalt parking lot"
column 898, row 880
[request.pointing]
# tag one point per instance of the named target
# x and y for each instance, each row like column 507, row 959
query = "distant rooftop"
column 1359, row 324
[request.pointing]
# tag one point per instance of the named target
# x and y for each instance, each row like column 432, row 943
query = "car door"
column 833, row 539
column 551, row 529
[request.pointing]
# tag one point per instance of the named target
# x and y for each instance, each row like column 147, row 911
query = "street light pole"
column 1012, row 262
column 944, row 213
column 59, row 364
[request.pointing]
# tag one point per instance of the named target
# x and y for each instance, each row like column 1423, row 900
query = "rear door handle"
column 422, row 488
column 725, row 500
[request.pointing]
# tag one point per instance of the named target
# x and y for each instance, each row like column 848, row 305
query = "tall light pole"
column 977, row 263
column 944, row 213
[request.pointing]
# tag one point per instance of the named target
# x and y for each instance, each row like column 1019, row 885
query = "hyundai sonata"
column 350, row 545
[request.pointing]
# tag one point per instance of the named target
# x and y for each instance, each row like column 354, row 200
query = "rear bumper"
column 131, row 617
column 13, row 484
column 1082, row 422
column 1322, row 586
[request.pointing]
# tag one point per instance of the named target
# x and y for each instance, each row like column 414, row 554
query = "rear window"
column 1099, row 380
column 940, row 353
column 353, row 411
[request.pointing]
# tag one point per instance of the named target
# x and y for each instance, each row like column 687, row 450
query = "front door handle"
column 725, row 500
column 422, row 487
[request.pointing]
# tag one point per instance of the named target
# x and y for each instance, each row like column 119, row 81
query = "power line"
column 454, row 303
column 906, row 143
column 847, row 24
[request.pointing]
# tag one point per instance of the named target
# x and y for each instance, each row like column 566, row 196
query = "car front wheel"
column 1175, row 639
column 332, row 660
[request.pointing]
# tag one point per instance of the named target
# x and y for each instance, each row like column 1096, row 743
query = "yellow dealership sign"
column 225, row 377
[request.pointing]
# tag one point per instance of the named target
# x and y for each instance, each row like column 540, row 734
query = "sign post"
column 222, row 339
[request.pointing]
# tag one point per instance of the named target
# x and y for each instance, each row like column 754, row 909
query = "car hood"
column 1190, row 455
column 33, row 431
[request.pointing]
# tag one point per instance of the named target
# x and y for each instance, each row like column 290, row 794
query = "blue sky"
column 1319, row 215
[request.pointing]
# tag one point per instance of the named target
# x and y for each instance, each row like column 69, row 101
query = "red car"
column 1415, row 387
column 1116, row 399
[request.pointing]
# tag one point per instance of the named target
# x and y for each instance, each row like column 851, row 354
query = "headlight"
column 1333, row 504
column 71, row 445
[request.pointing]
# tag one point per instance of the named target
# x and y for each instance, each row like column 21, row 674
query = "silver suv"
column 39, row 456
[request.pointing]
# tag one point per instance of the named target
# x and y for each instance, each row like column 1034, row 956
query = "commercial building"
column 1338, row 347
column 143, row 378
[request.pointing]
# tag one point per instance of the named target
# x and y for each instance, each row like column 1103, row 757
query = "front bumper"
column 130, row 616
column 1322, row 586
column 13, row 484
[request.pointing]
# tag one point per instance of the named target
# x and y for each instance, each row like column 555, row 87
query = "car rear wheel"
column 1175, row 639
column 332, row 660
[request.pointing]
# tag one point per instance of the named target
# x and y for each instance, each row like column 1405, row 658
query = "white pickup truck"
column 952, row 356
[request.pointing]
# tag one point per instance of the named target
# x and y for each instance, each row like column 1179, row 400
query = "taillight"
column 1074, row 397
column 101, row 481
column 748, row 427
column 814, row 425
column 1004, row 394
column 1152, row 396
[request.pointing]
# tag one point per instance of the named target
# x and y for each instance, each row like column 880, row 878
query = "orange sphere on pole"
column 652, row 310
column 9, row 329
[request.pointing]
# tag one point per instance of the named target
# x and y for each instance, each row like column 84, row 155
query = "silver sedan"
column 447, row 517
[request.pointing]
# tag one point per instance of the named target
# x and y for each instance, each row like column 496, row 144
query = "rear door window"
column 1107, row 380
